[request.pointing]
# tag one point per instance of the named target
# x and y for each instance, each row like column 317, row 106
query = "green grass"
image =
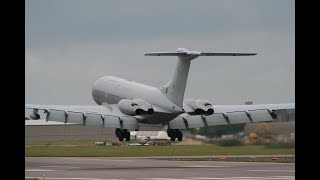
column 86, row 149
column 49, row 143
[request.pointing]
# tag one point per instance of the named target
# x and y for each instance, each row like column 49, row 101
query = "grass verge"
column 90, row 150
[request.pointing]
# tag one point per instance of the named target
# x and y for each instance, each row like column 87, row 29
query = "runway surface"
column 101, row 168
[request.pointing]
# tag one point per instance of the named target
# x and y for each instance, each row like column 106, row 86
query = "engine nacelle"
column 200, row 107
column 135, row 107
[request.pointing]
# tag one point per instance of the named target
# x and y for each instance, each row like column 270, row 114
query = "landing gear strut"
column 121, row 134
column 175, row 133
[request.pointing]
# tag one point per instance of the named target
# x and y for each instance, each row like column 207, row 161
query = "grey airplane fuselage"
column 111, row 90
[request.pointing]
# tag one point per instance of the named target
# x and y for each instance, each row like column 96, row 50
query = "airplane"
column 124, row 104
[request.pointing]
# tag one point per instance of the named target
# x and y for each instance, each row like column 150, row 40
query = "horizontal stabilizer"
column 227, row 54
column 185, row 52
column 197, row 53
column 164, row 54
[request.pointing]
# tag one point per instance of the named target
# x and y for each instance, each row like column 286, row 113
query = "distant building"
column 142, row 135
column 248, row 103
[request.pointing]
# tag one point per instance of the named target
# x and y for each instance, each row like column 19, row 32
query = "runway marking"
column 187, row 178
column 34, row 170
column 58, row 178
column 246, row 178
column 61, row 166
column 227, row 178
column 85, row 159
column 271, row 170
column 165, row 178
column 205, row 166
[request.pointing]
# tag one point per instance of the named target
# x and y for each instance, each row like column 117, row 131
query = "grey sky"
column 69, row 44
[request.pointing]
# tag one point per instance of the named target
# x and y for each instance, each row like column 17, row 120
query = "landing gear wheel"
column 179, row 135
column 127, row 135
column 120, row 136
column 170, row 133
column 174, row 133
column 173, row 138
column 118, row 131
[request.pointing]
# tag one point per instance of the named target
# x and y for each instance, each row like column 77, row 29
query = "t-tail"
column 175, row 88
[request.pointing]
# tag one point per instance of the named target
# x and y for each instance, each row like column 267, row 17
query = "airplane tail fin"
column 175, row 88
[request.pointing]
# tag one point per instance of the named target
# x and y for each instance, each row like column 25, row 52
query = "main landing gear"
column 174, row 133
column 121, row 134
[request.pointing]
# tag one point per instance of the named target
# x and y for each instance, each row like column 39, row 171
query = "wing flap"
column 195, row 121
column 112, row 121
column 177, row 123
column 56, row 115
column 260, row 115
column 75, row 117
column 216, row 119
column 129, row 122
column 93, row 120
column 238, row 117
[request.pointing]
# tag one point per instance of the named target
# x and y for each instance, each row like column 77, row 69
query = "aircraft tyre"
column 170, row 133
column 118, row 131
column 179, row 135
column 127, row 135
column 173, row 138
column 120, row 136
column 173, row 134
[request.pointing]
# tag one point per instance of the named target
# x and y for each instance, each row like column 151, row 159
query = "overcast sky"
column 69, row 44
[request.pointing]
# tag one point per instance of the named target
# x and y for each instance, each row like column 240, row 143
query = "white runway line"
column 38, row 170
column 59, row 167
column 262, row 170
column 245, row 178
column 227, row 178
column 205, row 166
column 61, row 178
column 186, row 178
column 85, row 159
column 165, row 179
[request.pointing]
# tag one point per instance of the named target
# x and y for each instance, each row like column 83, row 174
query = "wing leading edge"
column 86, row 115
column 230, row 114
column 103, row 116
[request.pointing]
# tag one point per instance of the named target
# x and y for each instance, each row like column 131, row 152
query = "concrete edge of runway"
column 231, row 158
column 240, row 158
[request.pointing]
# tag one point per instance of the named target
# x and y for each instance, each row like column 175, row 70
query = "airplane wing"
column 112, row 117
column 107, row 116
column 230, row 114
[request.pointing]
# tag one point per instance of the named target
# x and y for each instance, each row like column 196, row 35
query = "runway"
column 153, row 168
